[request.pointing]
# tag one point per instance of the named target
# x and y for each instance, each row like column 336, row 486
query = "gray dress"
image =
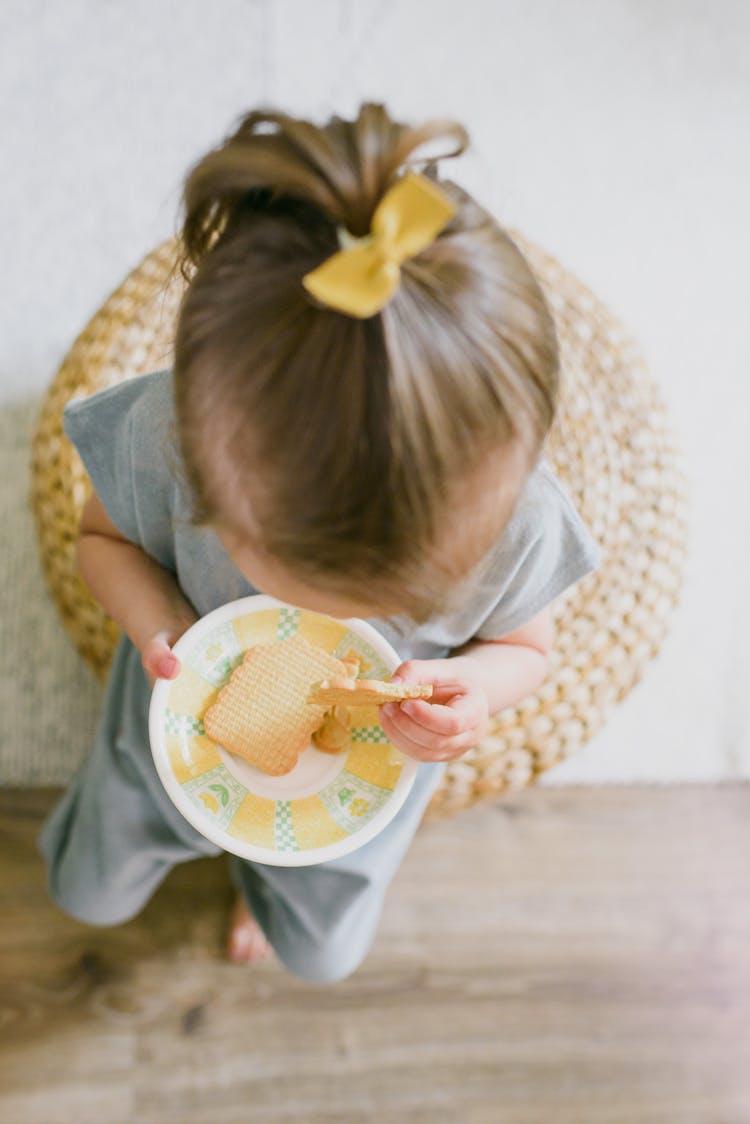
column 115, row 834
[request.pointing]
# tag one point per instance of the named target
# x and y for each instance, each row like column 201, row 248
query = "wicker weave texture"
column 611, row 445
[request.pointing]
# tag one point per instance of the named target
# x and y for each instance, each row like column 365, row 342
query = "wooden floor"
column 569, row 956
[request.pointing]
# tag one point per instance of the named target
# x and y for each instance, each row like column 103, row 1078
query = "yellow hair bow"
column 362, row 277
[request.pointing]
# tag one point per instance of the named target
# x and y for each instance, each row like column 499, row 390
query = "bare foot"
column 247, row 942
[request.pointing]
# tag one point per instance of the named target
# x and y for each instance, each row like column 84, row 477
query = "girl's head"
column 355, row 466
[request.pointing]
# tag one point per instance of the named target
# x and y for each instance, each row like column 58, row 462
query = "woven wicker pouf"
column 611, row 446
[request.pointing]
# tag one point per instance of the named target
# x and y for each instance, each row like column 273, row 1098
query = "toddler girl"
column 364, row 373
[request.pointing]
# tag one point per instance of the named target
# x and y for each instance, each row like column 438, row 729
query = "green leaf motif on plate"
column 221, row 792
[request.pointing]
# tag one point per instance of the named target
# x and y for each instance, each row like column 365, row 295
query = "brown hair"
column 345, row 449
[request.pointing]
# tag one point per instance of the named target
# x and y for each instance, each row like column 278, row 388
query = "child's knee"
column 88, row 901
column 91, row 908
column 329, row 957
column 322, row 964
column 76, row 890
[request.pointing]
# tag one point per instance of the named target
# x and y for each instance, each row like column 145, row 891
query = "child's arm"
column 515, row 665
column 141, row 596
column 477, row 680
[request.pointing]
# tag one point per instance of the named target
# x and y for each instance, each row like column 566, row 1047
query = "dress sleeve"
column 545, row 549
column 125, row 439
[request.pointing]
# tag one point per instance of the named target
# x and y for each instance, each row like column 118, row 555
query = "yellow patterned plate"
column 328, row 805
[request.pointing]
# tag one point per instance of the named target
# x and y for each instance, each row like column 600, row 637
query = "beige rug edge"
column 49, row 699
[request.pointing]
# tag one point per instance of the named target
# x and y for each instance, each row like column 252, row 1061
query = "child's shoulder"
column 546, row 494
column 150, row 394
column 125, row 437
column 545, row 547
column 134, row 418
column 543, row 500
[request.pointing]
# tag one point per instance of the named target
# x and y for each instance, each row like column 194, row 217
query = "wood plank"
column 579, row 955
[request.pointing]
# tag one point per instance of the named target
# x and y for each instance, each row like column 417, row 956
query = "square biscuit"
column 261, row 713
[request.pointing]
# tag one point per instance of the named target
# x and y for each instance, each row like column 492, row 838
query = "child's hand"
column 452, row 721
column 159, row 661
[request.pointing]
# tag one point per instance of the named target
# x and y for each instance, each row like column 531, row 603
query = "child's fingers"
column 400, row 740
column 423, row 746
column 444, row 684
column 160, row 661
column 436, row 717
column 428, row 739
column 168, row 667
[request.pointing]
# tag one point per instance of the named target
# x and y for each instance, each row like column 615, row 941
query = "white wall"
column 614, row 133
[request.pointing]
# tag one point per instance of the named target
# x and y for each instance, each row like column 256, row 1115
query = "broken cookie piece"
column 340, row 691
